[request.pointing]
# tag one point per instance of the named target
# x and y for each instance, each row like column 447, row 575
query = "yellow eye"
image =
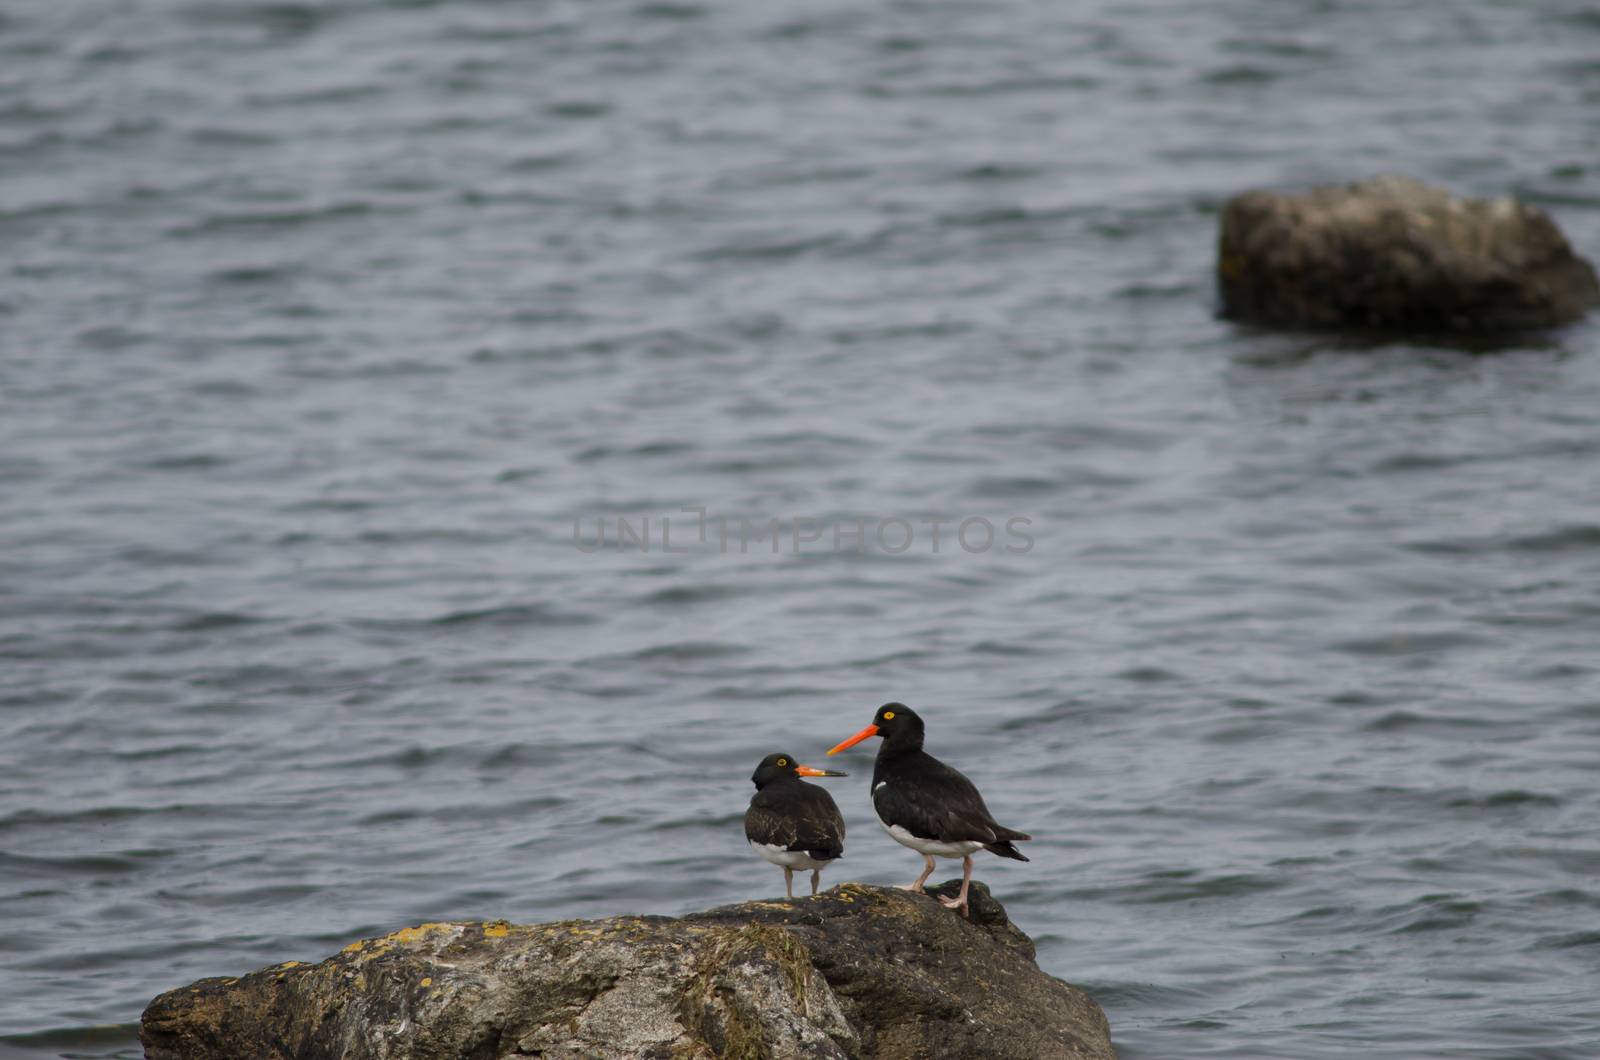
column 783, row 761
column 888, row 715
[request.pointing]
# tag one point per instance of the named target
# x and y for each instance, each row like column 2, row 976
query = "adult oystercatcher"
column 926, row 805
column 793, row 824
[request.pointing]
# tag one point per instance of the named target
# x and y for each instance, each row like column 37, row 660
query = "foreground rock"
column 1396, row 254
column 854, row 972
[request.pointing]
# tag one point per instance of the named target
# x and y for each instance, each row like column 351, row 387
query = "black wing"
column 933, row 801
column 796, row 816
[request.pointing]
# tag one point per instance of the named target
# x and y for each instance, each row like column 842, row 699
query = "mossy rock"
column 857, row 972
column 1396, row 255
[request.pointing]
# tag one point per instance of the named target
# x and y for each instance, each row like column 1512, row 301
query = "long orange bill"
column 807, row 771
column 870, row 730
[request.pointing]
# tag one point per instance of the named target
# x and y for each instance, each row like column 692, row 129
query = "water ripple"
column 325, row 320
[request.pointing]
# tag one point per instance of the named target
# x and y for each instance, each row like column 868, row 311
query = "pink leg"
column 788, row 881
column 960, row 901
column 916, row 888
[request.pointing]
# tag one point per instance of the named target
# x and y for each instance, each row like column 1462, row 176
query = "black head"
column 785, row 767
column 897, row 723
column 897, row 720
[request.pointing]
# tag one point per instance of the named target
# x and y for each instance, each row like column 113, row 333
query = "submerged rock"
column 1395, row 254
column 856, row 971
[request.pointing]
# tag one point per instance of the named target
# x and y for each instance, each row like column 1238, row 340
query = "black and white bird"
column 793, row 824
column 926, row 805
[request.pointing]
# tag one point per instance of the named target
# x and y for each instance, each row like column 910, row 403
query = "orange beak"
column 870, row 730
column 807, row 771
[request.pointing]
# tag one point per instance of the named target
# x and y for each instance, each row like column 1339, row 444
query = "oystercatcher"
column 793, row 824
column 926, row 805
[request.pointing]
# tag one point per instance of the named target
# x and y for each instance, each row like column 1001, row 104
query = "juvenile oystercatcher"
column 926, row 805
column 793, row 824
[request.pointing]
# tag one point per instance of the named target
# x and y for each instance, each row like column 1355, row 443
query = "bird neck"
column 896, row 755
column 901, row 742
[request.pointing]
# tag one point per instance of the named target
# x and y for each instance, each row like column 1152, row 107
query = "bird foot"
column 957, row 903
column 914, row 888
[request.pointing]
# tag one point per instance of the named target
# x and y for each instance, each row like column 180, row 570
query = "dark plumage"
column 929, row 806
column 793, row 824
column 930, row 800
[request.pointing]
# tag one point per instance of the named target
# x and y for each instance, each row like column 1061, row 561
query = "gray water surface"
column 322, row 323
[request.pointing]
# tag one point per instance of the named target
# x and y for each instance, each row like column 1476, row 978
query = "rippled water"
column 323, row 322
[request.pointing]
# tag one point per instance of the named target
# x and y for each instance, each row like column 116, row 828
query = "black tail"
column 1005, row 849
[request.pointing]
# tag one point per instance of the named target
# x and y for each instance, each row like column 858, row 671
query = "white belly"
column 789, row 859
column 931, row 846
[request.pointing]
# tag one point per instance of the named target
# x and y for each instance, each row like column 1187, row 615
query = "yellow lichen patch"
column 415, row 934
column 427, row 982
column 499, row 929
column 355, row 947
column 289, row 964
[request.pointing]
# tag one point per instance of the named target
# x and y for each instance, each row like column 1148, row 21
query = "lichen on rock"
column 856, row 972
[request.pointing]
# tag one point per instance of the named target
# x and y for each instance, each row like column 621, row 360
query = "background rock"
column 854, row 972
column 1393, row 253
